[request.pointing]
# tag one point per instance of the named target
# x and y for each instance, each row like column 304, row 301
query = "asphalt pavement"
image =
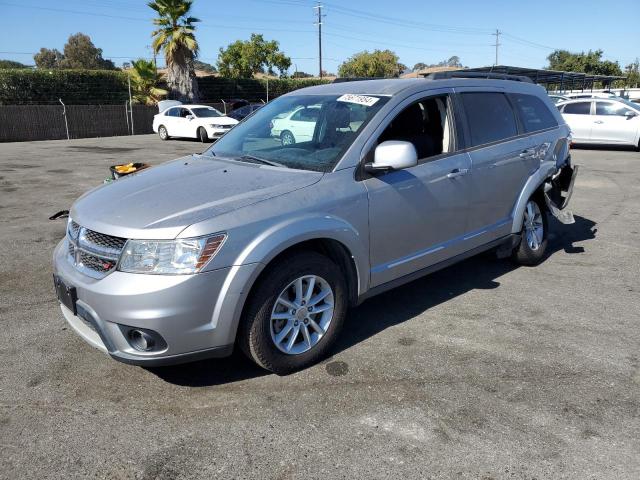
column 483, row 370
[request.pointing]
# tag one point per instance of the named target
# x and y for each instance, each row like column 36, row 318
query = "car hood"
column 160, row 202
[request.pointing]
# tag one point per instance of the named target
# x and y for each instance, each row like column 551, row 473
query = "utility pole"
column 319, row 23
column 497, row 44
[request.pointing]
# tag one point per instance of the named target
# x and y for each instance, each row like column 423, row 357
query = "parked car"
column 558, row 98
column 575, row 96
column 265, row 246
column 603, row 121
column 192, row 121
column 242, row 112
column 297, row 125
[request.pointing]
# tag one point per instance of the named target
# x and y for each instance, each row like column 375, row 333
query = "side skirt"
column 509, row 240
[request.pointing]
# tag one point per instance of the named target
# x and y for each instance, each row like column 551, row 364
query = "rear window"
column 534, row 114
column 489, row 116
column 578, row 108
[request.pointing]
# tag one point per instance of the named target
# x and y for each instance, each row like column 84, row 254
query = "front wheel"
column 294, row 315
column 533, row 241
column 287, row 138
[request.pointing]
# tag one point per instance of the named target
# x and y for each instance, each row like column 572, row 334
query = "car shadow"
column 603, row 146
column 390, row 308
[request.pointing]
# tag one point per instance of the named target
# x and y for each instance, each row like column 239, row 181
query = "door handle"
column 529, row 152
column 598, row 121
column 458, row 172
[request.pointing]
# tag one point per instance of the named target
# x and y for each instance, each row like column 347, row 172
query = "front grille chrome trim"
column 92, row 253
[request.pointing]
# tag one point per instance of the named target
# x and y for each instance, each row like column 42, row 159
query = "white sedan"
column 296, row 126
column 192, row 121
column 603, row 121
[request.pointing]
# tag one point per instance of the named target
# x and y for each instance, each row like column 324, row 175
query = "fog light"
column 141, row 340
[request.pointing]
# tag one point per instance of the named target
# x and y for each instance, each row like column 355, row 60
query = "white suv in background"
column 603, row 121
column 192, row 121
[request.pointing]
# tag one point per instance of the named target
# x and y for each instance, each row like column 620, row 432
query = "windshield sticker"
column 359, row 99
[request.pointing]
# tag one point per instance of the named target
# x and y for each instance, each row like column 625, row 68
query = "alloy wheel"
column 302, row 314
column 533, row 225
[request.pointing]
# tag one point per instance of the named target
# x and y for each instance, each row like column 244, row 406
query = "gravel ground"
column 482, row 370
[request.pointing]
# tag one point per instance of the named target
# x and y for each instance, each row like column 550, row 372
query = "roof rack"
column 354, row 79
column 488, row 75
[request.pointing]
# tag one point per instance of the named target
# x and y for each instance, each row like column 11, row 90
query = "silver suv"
column 265, row 244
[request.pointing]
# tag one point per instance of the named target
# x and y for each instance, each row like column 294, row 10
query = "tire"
column 258, row 336
column 287, row 138
column 202, row 135
column 534, row 235
column 163, row 133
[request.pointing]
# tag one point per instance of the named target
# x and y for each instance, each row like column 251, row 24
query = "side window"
column 173, row 112
column 490, row 117
column 534, row 114
column 578, row 108
column 607, row 108
column 184, row 112
column 427, row 124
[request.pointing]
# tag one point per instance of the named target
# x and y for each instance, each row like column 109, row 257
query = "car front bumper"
column 196, row 316
column 215, row 133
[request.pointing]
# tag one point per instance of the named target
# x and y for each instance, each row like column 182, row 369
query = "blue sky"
column 417, row 30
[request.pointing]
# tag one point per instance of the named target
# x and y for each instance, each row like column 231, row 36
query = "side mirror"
column 190, row 117
column 393, row 155
column 630, row 114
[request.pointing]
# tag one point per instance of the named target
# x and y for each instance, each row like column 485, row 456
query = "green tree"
column 243, row 59
column 144, row 82
column 379, row 63
column 48, row 58
column 81, row 53
column 632, row 71
column 419, row 66
column 175, row 34
column 299, row 74
column 590, row 62
column 11, row 64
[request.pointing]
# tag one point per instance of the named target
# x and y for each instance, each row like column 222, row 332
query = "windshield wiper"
column 254, row 159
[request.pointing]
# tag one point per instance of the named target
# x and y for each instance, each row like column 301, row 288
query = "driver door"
column 417, row 216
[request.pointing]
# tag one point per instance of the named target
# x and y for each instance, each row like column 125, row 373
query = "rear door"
column 184, row 126
column 612, row 125
column 500, row 163
column 578, row 117
column 169, row 120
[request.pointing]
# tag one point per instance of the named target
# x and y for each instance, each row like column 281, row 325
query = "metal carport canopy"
column 564, row 80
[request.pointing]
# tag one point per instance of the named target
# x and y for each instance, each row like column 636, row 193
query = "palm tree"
column 175, row 35
column 144, row 79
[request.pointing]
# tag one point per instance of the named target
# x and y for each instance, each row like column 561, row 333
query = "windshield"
column 633, row 105
column 204, row 112
column 309, row 132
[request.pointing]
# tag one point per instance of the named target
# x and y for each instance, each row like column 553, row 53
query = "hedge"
column 107, row 87
column 79, row 87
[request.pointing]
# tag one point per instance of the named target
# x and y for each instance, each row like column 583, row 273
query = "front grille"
column 107, row 241
column 93, row 253
column 95, row 263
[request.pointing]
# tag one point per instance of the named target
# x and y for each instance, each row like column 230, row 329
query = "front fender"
column 283, row 235
column 546, row 169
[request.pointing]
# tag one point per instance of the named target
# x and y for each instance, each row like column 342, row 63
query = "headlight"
column 215, row 125
column 188, row 255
